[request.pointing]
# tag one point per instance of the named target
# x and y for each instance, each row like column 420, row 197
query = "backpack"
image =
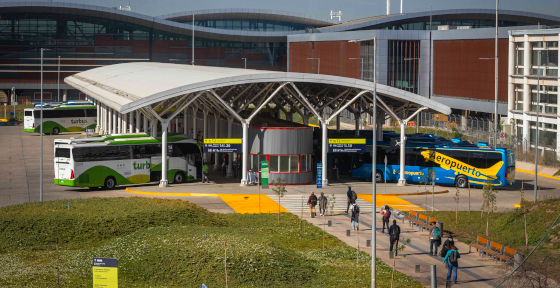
column 387, row 215
column 453, row 258
column 396, row 231
column 437, row 233
column 356, row 209
column 314, row 200
column 354, row 196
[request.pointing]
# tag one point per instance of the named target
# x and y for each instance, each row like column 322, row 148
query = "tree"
column 488, row 201
column 456, row 198
column 397, row 249
column 279, row 189
column 331, row 200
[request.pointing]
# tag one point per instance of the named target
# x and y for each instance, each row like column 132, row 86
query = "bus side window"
column 393, row 157
column 91, row 112
column 178, row 150
column 139, row 151
column 410, row 157
column 380, row 156
column 493, row 158
column 462, row 156
column 478, row 159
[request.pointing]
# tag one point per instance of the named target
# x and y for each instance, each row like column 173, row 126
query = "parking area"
column 19, row 182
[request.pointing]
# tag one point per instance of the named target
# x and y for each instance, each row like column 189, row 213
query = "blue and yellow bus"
column 453, row 165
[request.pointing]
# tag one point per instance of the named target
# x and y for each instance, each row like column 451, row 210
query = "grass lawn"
column 507, row 228
column 172, row 243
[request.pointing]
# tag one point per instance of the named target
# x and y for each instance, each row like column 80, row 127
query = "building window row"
column 250, row 25
column 544, row 58
column 281, row 163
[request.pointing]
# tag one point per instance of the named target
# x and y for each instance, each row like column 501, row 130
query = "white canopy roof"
column 131, row 86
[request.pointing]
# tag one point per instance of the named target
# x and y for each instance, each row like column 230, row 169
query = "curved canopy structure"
column 131, row 86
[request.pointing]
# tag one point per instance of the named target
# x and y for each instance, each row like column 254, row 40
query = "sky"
column 351, row 9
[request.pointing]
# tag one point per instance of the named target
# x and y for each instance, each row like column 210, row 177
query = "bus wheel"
column 378, row 176
column 179, row 178
column 110, row 182
column 55, row 131
column 462, row 181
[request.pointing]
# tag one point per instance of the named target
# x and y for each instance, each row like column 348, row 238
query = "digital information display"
column 223, row 145
column 347, row 145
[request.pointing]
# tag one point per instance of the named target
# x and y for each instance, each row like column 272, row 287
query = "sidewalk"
column 473, row 270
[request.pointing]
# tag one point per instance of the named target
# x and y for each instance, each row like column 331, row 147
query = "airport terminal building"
column 439, row 64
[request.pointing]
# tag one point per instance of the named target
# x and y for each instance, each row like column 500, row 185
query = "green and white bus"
column 124, row 159
column 64, row 118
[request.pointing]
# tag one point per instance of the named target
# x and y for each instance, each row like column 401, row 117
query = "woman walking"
column 322, row 204
column 451, row 260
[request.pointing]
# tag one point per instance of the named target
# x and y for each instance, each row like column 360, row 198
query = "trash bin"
column 518, row 258
column 440, row 226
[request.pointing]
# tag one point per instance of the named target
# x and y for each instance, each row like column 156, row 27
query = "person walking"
column 205, row 173
column 435, row 236
column 448, row 242
column 452, row 263
column 355, row 216
column 394, row 234
column 322, row 204
column 312, row 201
column 349, row 196
column 385, row 216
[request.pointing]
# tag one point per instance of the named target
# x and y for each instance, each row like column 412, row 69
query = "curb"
column 415, row 194
column 543, row 175
column 171, row 194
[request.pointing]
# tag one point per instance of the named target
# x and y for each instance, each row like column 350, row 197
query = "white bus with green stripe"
column 124, row 159
column 58, row 119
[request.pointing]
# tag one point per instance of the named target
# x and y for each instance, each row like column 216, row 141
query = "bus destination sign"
column 349, row 145
column 222, row 145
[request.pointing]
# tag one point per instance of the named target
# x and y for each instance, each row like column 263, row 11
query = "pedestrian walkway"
column 473, row 270
column 295, row 203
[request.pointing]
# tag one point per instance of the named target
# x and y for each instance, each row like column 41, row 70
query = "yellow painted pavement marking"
column 240, row 203
column 543, row 175
column 249, row 203
column 393, row 201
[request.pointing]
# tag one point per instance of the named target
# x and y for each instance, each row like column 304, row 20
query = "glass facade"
column 251, row 25
column 84, row 43
column 403, row 65
column 474, row 23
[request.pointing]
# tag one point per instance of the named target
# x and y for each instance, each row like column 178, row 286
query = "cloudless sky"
column 351, row 9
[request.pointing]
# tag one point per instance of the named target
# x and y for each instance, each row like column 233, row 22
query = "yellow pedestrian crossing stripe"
column 393, row 201
column 249, row 203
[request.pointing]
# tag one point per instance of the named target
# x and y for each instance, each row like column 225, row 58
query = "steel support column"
column 402, row 180
column 205, row 132
column 163, row 182
column 216, row 156
column 185, row 121
column 230, row 157
column 245, row 126
column 114, row 122
column 131, row 122
column 98, row 120
column 324, row 145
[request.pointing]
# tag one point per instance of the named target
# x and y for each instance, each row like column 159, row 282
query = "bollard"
column 391, row 255
column 368, row 243
column 312, row 214
column 347, row 232
column 329, row 223
column 417, row 270
column 434, row 275
column 518, row 258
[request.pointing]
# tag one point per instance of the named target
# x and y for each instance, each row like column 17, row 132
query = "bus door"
column 183, row 159
column 510, row 164
column 155, row 172
column 393, row 163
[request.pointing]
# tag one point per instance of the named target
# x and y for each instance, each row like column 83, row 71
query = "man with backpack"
column 312, row 202
column 394, row 234
column 385, row 216
column 355, row 216
column 351, row 197
column 435, row 236
column 452, row 263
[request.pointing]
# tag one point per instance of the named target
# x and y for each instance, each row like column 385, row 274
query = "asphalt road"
column 19, row 180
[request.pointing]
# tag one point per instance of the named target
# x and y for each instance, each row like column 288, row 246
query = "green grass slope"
column 171, row 243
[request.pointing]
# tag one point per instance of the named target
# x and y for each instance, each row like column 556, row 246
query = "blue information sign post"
column 319, row 175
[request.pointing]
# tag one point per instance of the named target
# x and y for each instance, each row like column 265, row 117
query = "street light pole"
column 537, row 128
column 58, row 82
column 361, row 71
column 41, row 133
column 318, row 65
column 496, row 82
column 245, row 62
column 373, row 162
